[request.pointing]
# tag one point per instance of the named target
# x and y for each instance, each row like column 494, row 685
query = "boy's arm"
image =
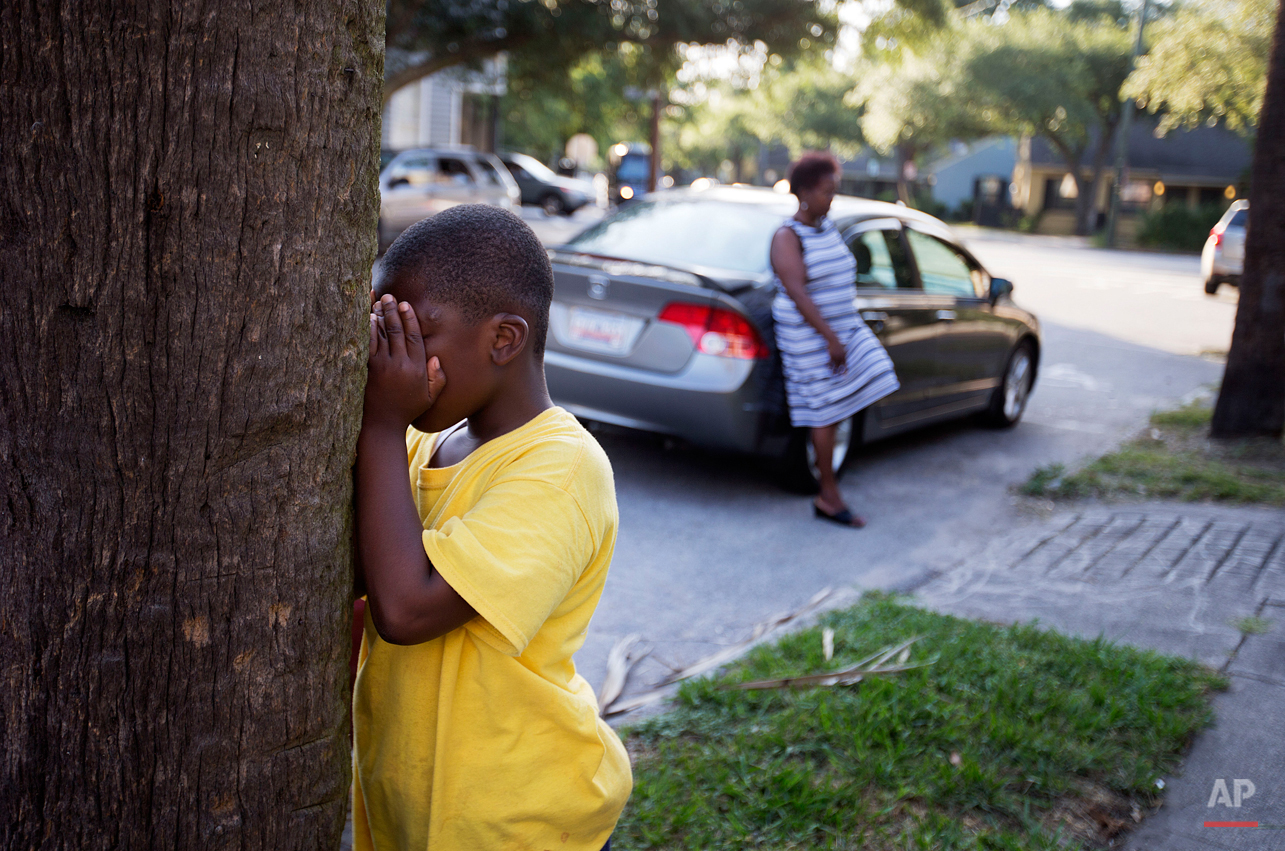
column 410, row 603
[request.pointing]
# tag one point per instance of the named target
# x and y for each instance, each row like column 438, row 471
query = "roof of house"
column 1208, row 152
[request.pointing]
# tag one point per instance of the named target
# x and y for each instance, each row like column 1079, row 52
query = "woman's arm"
column 787, row 262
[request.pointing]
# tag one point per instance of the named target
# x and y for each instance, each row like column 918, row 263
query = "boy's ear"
column 511, row 334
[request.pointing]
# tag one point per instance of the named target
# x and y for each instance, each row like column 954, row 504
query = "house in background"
column 454, row 107
column 1201, row 166
column 973, row 172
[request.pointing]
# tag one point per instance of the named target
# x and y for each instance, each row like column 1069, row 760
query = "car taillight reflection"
column 716, row 330
column 1217, row 235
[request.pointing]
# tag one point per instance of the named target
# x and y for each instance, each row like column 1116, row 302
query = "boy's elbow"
column 400, row 626
column 391, row 625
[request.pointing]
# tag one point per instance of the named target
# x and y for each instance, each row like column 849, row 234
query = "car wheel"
column 552, row 204
column 1211, row 286
column 798, row 465
column 1008, row 402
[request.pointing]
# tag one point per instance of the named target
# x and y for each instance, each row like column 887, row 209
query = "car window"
column 1240, row 219
column 686, row 233
column 942, row 269
column 489, row 174
column 453, row 171
column 417, row 171
column 517, row 171
column 875, row 266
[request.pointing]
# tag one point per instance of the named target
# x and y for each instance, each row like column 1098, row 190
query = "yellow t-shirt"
column 487, row 738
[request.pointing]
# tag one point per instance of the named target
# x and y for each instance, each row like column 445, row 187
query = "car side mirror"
column 1000, row 288
column 398, row 181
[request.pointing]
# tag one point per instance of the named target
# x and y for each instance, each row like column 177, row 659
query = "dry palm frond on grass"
column 871, row 665
column 620, row 660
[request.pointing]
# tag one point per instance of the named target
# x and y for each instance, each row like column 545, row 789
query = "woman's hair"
column 810, row 168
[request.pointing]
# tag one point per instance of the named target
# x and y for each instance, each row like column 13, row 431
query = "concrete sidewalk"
column 1178, row 579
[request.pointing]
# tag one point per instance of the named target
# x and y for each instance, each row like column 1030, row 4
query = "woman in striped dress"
column 834, row 365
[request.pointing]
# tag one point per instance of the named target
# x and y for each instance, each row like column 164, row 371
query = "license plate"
column 601, row 331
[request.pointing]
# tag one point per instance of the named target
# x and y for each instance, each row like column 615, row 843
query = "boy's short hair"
column 810, row 168
column 479, row 259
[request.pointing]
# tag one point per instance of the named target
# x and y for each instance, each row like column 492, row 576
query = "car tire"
column 1008, row 401
column 552, row 205
column 797, row 466
column 1211, row 286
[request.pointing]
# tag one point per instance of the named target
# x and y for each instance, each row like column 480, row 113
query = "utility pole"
column 657, row 104
column 1122, row 140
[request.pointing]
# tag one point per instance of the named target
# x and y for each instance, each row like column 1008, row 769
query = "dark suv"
column 556, row 194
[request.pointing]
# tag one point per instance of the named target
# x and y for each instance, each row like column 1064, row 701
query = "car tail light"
column 1217, row 235
column 716, row 330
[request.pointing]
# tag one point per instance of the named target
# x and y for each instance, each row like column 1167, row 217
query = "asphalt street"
column 709, row 546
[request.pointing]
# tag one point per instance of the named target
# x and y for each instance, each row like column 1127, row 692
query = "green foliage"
column 1175, row 460
column 801, row 105
column 983, row 749
column 427, row 35
column 540, row 112
column 1253, row 625
column 1207, row 63
column 1177, row 227
column 1045, row 74
column 1044, row 479
column 918, row 103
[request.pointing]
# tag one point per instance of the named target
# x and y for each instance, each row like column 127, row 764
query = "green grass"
column 1253, row 625
column 1015, row 738
column 1174, row 459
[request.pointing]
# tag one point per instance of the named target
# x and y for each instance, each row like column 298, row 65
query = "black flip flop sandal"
column 843, row 517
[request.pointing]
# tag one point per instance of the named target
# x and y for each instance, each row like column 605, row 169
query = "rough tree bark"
column 1252, row 399
column 188, row 202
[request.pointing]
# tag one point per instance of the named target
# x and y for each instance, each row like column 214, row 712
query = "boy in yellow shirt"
column 481, row 569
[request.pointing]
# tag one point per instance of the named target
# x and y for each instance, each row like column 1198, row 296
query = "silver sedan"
column 662, row 321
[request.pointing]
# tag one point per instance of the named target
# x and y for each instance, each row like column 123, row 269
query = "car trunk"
column 610, row 310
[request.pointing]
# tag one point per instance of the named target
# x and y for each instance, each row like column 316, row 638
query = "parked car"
column 1223, row 257
column 662, row 321
column 556, row 194
column 418, row 183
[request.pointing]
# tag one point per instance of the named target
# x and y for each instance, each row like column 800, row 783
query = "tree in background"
column 918, row 103
column 541, row 111
column 1207, row 63
column 1251, row 401
column 1047, row 74
column 719, row 130
column 801, row 105
column 426, row 36
column 188, row 198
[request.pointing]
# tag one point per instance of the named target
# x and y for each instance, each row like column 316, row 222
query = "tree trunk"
column 1088, row 224
column 188, row 201
column 1252, row 399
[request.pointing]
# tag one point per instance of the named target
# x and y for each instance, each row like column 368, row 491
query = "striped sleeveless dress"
column 819, row 396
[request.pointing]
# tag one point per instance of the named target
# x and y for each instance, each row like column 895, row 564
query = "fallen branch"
column 708, row 663
column 870, row 666
column 620, row 661
column 849, row 677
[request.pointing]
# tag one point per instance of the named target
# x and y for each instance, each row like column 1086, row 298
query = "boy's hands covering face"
column 400, row 386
